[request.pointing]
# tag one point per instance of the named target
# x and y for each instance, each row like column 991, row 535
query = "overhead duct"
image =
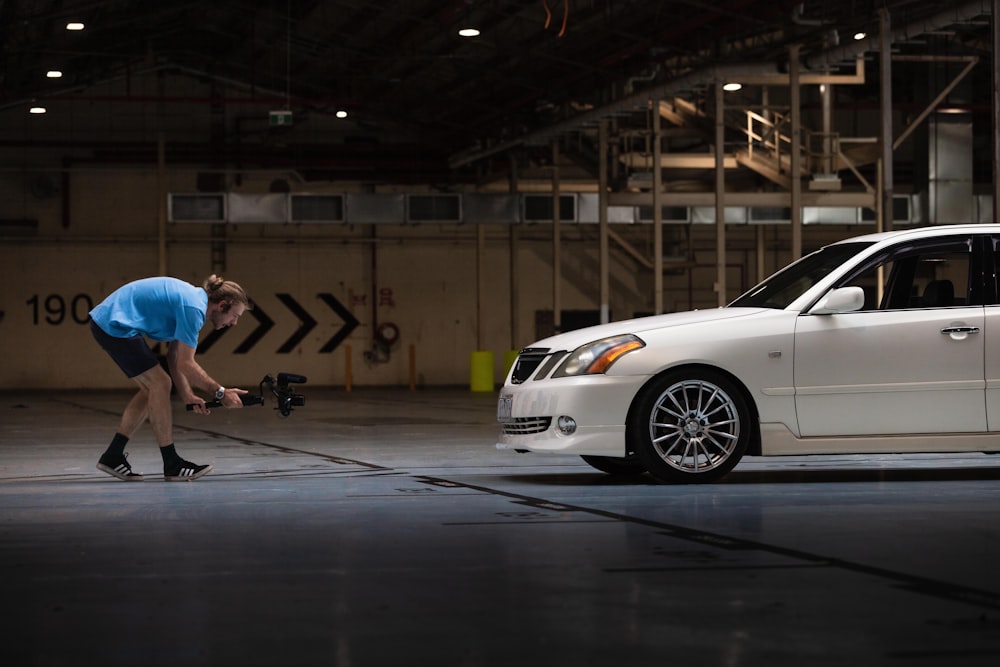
column 708, row 75
column 949, row 166
column 959, row 13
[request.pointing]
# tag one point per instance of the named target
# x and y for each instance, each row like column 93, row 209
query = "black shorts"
column 131, row 354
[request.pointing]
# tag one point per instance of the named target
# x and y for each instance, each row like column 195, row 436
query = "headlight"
column 597, row 357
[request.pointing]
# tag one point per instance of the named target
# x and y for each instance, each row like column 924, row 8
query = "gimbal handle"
column 248, row 399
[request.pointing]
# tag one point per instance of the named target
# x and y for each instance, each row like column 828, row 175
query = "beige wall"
column 425, row 281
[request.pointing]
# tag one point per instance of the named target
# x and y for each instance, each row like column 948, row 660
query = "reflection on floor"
column 383, row 528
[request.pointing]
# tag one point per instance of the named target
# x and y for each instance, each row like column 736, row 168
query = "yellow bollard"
column 481, row 371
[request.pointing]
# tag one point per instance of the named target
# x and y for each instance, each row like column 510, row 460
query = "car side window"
column 993, row 272
column 934, row 275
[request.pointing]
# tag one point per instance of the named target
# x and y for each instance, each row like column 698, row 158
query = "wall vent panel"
column 196, row 207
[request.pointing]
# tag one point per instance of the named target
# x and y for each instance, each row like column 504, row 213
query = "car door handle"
column 960, row 330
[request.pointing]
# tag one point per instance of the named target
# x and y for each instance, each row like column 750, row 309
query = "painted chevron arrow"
column 350, row 322
column 306, row 324
column 211, row 339
column 264, row 325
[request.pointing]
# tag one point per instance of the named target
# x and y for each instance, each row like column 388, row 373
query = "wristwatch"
column 220, row 393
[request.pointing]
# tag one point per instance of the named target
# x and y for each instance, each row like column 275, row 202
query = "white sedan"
column 884, row 343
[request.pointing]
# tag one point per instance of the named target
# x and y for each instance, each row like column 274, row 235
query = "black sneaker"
column 119, row 468
column 184, row 471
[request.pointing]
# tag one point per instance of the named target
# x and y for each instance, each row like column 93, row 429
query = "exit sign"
column 279, row 118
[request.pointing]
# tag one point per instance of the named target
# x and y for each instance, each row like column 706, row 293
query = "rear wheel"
column 690, row 426
column 630, row 465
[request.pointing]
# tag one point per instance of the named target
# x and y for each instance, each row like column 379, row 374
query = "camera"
column 284, row 395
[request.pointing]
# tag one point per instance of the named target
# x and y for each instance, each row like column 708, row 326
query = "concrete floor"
column 383, row 528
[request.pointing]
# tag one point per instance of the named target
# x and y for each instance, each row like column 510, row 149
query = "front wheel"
column 690, row 426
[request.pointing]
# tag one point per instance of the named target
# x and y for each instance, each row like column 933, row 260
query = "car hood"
column 574, row 339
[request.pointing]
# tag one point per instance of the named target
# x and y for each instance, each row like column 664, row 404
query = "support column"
column 826, row 95
column 657, row 211
column 885, row 98
column 161, row 212
column 556, row 243
column 996, row 111
column 761, row 253
column 515, row 305
column 480, row 282
column 720, row 195
column 795, row 94
column 602, row 219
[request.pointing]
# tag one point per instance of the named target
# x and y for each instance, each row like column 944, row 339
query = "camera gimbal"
column 284, row 395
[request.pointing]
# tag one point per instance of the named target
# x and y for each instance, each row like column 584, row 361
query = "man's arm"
column 188, row 373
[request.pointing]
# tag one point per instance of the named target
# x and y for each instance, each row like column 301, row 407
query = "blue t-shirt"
column 164, row 309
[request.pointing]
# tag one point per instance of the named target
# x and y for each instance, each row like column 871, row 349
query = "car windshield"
column 785, row 286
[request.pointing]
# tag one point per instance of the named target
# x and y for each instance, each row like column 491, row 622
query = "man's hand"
column 231, row 399
column 197, row 404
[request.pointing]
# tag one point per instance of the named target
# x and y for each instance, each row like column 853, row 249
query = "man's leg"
column 114, row 460
column 152, row 401
column 134, row 357
column 135, row 413
column 157, row 383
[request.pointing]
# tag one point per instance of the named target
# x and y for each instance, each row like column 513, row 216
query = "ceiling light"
column 36, row 110
column 53, row 74
column 732, row 87
column 341, row 114
column 468, row 32
column 858, row 36
column 74, row 25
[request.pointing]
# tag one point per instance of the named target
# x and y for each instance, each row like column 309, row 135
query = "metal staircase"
column 766, row 145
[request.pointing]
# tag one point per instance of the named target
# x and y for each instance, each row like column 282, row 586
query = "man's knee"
column 155, row 381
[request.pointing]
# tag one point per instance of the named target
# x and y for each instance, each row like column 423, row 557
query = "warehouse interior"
column 408, row 204
column 290, row 144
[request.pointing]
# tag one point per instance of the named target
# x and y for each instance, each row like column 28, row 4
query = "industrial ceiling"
column 426, row 105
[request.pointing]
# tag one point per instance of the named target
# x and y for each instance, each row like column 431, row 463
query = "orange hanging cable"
column 548, row 16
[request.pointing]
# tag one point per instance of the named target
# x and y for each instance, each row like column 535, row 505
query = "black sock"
column 117, row 446
column 169, row 454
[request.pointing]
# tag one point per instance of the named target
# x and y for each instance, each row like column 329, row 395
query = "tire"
column 630, row 465
column 690, row 426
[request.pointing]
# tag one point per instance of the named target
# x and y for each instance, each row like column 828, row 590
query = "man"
column 170, row 311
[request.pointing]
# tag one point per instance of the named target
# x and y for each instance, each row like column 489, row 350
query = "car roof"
column 924, row 232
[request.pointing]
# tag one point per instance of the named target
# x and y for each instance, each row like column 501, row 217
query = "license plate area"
column 504, row 406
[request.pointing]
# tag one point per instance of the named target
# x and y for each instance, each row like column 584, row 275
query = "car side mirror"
column 841, row 300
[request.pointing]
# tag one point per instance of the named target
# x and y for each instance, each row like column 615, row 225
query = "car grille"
column 526, row 363
column 529, row 360
column 527, row 425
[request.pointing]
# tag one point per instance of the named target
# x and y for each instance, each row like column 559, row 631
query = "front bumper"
column 598, row 404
